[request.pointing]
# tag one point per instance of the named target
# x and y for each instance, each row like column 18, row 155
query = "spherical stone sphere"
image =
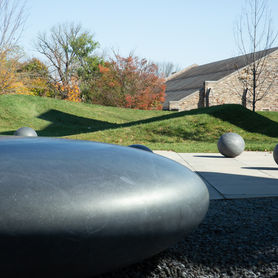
column 231, row 144
column 141, row 147
column 26, row 131
column 275, row 154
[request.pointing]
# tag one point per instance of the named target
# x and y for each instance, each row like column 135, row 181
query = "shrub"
column 128, row 82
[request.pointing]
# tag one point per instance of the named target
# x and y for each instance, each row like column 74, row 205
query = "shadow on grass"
column 68, row 124
column 245, row 119
column 63, row 124
column 10, row 132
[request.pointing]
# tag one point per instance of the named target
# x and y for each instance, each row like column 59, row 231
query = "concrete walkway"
column 249, row 175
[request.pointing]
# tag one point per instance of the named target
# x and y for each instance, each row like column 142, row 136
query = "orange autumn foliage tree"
column 34, row 74
column 70, row 91
column 129, row 82
column 73, row 93
column 8, row 76
column 11, row 79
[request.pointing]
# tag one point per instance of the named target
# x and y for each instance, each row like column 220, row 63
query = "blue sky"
column 179, row 31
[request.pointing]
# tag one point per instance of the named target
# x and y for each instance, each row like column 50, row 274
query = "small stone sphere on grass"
column 26, row 131
column 141, row 147
column 275, row 154
column 231, row 144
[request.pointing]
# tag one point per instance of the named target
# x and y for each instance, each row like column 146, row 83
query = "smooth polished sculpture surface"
column 231, row 144
column 141, row 147
column 77, row 208
column 275, row 153
column 26, row 131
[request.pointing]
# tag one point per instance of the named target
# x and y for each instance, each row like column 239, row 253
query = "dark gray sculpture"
column 231, row 144
column 81, row 208
column 26, row 131
column 275, row 153
column 140, row 147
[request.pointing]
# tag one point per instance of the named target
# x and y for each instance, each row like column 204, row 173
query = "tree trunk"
column 254, row 90
column 243, row 99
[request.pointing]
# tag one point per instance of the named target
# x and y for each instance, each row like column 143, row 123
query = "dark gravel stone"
column 238, row 238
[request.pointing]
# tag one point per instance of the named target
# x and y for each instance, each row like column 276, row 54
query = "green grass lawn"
column 191, row 131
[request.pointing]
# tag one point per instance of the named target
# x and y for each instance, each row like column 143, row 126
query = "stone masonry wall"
column 188, row 103
column 230, row 90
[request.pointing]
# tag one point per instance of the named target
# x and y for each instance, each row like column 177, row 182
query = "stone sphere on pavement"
column 275, row 154
column 26, row 131
column 231, row 144
column 141, row 147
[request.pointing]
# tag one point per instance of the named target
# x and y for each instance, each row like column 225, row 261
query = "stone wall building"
column 226, row 81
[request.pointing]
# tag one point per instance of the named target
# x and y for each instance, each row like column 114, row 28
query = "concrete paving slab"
column 234, row 186
column 259, row 161
column 250, row 175
column 176, row 157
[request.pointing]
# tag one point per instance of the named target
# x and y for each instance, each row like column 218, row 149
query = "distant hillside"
column 190, row 131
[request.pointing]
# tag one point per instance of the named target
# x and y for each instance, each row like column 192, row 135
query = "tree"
column 8, row 71
column 255, row 37
column 165, row 69
column 35, row 68
column 12, row 18
column 129, row 82
column 35, row 75
column 69, row 51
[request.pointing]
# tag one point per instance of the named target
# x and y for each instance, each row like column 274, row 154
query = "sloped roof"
column 192, row 80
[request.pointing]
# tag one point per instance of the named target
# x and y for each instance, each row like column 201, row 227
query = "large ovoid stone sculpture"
column 231, row 144
column 77, row 208
column 141, row 147
column 25, row 131
column 275, row 153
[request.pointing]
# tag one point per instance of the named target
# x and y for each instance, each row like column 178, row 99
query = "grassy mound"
column 190, row 131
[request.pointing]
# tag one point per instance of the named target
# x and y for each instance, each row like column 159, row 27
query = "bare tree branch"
column 56, row 48
column 12, row 19
column 254, row 37
column 165, row 69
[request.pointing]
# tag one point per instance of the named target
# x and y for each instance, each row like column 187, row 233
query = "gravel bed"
column 238, row 238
